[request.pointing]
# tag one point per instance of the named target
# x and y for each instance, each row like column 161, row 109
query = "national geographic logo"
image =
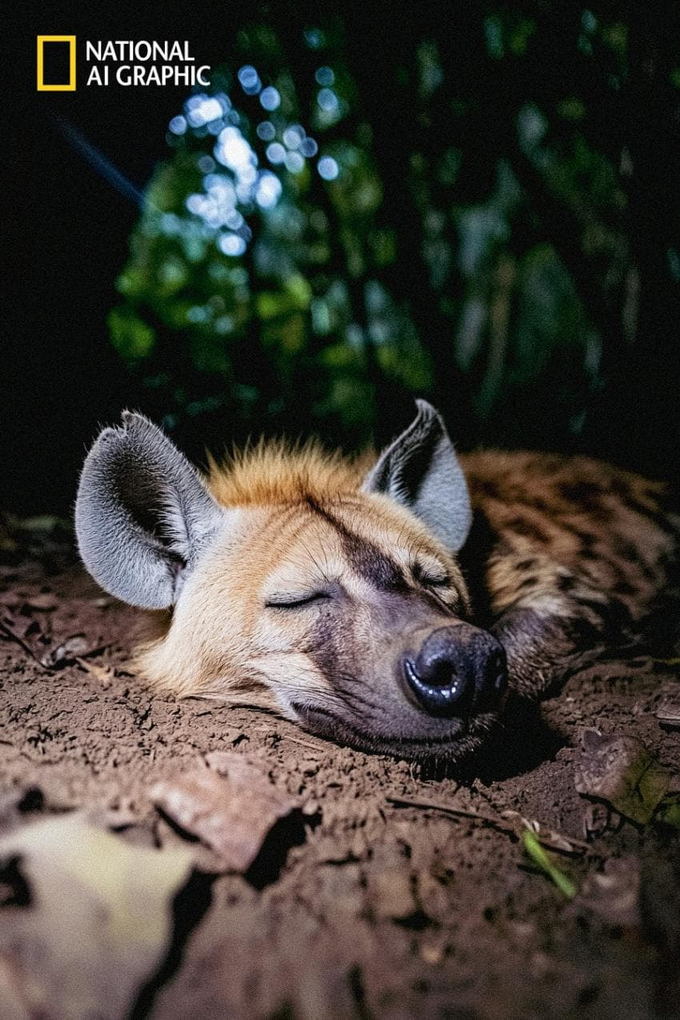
column 122, row 62
column 56, row 58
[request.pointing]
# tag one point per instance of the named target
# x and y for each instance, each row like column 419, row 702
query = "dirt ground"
column 382, row 890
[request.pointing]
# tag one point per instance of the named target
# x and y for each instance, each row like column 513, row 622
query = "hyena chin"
column 331, row 590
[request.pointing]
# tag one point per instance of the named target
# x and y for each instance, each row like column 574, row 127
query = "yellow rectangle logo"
column 70, row 85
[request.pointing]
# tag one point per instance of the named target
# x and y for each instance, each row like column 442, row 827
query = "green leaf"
column 668, row 811
column 132, row 338
column 621, row 771
column 544, row 861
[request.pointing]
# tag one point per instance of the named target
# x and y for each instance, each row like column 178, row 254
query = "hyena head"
column 298, row 581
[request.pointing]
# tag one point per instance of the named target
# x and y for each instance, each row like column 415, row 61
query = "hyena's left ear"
column 143, row 514
column 420, row 471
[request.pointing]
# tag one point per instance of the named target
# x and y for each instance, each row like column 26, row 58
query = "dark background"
column 61, row 377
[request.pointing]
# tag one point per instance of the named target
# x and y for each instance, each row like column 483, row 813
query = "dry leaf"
column 230, row 811
column 668, row 708
column 621, row 771
column 90, row 922
column 66, row 652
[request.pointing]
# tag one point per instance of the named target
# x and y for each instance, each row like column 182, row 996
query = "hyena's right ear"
column 420, row 470
column 142, row 514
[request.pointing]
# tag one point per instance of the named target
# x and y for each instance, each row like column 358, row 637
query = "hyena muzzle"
column 387, row 605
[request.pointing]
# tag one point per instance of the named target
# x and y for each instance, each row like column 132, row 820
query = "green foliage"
column 340, row 223
column 543, row 860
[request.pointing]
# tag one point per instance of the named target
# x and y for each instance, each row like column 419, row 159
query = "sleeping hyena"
column 387, row 605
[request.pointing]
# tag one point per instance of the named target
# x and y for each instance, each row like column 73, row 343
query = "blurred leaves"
column 337, row 227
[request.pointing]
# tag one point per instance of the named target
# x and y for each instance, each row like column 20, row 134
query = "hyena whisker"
column 354, row 699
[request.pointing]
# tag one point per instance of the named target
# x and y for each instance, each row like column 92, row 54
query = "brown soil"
column 366, row 907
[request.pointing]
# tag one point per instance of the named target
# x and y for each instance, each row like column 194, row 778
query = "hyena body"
column 388, row 606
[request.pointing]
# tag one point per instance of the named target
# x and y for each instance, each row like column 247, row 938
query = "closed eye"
column 296, row 601
column 435, row 582
column 430, row 578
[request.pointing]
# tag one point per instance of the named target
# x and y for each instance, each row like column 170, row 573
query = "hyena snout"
column 458, row 671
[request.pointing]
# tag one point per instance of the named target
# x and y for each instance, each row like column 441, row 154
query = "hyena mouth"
column 453, row 746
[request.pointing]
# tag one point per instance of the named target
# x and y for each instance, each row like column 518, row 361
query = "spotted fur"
column 567, row 556
column 300, row 581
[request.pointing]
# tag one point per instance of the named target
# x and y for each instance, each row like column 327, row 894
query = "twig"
column 420, row 802
column 542, row 834
column 13, row 636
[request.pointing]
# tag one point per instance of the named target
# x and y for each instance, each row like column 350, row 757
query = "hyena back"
column 387, row 605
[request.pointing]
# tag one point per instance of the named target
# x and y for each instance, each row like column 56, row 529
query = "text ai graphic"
column 120, row 62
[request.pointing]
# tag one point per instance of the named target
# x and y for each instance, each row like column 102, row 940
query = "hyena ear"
column 420, row 470
column 142, row 514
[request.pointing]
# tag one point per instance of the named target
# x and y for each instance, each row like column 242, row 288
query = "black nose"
column 458, row 670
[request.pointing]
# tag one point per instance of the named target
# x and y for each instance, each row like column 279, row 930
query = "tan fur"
column 215, row 643
column 565, row 541
column 276, row 472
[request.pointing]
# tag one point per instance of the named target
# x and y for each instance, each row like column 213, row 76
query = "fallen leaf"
column 66, row 652
column 668, row 708
column 596, row 820
column 92, row 921
column 668, row 811
column 621, row 771
column 544, row 861
column 231, row 810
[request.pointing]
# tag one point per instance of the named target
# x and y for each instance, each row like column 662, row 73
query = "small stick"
column 420, row 802
column 497, row 822
column 13, row 636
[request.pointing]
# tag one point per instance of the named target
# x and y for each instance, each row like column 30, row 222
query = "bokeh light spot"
column 294, row 162
column 266, row 131
column 178, row 125
column 268, row 190
column 276, row 153
column 324, row 76
column 270, row 98
column 308, row 147
column 328, row 168
column 231, row 244
column 249, row 80
column 327, row 100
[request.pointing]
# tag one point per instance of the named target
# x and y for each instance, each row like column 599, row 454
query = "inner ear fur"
column 420, row 471
column 143, row 514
